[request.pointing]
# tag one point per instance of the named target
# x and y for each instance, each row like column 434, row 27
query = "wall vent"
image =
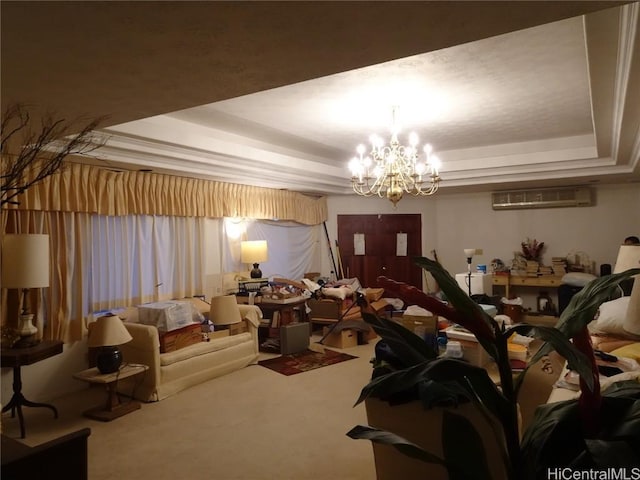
column 542, row 198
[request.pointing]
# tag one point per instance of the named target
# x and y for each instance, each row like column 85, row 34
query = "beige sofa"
column 172, row 372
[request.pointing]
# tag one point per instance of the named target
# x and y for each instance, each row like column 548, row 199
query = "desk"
column 113, row 408
column 542, row 281
column 16, row 358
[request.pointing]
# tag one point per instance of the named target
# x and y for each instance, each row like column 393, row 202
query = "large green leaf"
column 464, row 452
column 406, row 345
column 471, row 383
column 555, row 338
column 555, row 436
column 361, row 432
column 459, row 299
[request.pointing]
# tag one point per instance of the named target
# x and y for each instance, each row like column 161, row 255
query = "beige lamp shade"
column 253, row 251
column 25, row 261
column 224, row 310
column 108, row 331
column 628, row 257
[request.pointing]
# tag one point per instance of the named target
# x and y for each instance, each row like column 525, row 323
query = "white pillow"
column 577, row 279
column 611, row 316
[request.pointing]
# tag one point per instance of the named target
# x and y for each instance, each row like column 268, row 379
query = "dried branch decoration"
column 29, row 155
column 531, row 249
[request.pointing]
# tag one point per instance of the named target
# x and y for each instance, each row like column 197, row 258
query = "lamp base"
column 26, row 328
column 256, row 272
column 27, row 331
column 108, row 359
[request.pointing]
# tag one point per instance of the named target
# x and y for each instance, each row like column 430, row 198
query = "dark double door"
column 380, row 253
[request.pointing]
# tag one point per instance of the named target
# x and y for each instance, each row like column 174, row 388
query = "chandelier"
column 392, row 170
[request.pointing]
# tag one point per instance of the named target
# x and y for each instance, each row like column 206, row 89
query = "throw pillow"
column 577, row 279
column 611, row 316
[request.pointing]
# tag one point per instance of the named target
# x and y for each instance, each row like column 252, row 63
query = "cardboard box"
column 180, row 338
column 236, row 328
column 294, row 337
column 473, row 353
column 218, row 334
column 419, row 324
column 346, row 338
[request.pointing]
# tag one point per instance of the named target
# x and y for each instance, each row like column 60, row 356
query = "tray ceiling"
column 532, row 100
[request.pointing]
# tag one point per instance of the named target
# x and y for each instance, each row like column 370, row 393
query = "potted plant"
column 596, row 430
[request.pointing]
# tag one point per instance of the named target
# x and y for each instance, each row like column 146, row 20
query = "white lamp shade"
column 469, row 252
column 253, row 251
column 224, row 310
column 25, row 261
column 108, row 331
column 628, row 257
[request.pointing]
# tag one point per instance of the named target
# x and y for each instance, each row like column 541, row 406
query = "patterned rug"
column 304, row 361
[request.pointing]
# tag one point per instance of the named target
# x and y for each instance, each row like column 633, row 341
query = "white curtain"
column 293, row 248
column 143, row 258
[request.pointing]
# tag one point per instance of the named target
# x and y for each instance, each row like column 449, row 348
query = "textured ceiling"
column 511, row 94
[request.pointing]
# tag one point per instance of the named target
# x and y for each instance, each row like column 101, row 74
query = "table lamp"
column 629, row 257
column 25, row 265
column 224, row 310
column 254, row 251
column 107, row 335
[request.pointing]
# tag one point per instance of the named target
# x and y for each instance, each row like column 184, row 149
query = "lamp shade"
column 628, row 257
column 469, row 252
column 253, row 251
column 25, row 261
column 224, row 310
column 108, row 331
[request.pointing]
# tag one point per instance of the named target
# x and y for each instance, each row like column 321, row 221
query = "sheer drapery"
column 292, row 248
column 85, row 188
column 99, row 262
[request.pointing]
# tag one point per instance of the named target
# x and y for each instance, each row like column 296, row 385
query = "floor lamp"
column 25, row 265
column 469, row 253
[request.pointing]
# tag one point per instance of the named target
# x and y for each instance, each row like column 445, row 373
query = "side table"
column 16, row 358
column 114, row 408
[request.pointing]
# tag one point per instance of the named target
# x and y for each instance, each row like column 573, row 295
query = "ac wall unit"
column 542, row 198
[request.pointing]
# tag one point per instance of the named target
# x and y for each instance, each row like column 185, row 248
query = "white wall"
column 453, row 222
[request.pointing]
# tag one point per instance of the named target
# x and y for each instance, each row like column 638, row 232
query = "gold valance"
column 87, row 188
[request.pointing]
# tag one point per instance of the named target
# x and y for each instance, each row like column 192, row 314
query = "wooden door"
column 380, row 239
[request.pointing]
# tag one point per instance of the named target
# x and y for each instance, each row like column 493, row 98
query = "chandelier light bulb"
column 435, row 164
column 392, row 169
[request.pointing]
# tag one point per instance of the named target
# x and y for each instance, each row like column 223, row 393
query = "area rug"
column 304, row 361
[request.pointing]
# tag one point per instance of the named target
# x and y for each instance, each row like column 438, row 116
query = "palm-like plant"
column 602, row 431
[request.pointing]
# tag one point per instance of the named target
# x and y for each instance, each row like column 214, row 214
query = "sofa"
column 174, row 371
